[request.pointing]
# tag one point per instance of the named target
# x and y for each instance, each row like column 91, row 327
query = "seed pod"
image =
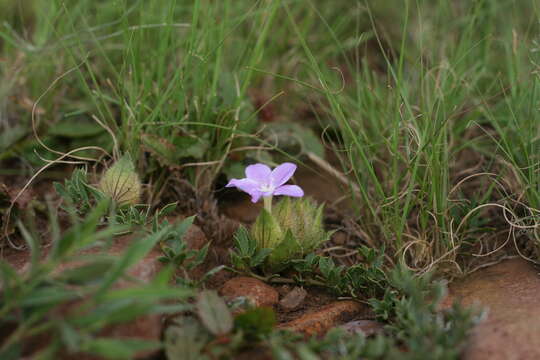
column 121, row 183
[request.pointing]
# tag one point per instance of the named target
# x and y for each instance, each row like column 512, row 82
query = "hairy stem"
column 268, row 203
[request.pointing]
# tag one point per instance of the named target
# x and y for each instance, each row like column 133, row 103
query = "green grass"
column 456, row 99
column 420, row 96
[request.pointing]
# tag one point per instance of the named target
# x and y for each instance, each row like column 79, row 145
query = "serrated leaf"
column 243, row 242
column 214, row 313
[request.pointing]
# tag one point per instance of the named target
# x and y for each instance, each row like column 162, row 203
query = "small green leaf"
column 256, row 322
column 118, row 348
column 266, row 231
column 286, row 250
column 165, row 152
column 72, row 128
column 214, row 313
column 191, row 146
column 260, row 257
column 167, row 209
column 243, row 242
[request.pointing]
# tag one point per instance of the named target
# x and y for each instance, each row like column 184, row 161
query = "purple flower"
column 261, row 181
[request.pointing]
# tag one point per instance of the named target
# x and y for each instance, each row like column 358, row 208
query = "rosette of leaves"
column 293, row 230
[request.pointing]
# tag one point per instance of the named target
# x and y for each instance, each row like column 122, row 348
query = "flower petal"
column 247, row 185
column 259, row 173
column 281, row 174
column 289, row 190
column 255, row 196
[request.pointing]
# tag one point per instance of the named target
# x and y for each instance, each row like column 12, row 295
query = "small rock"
column 294, row 299
column 284, row 290
column 366, row 327
column 329, row 316
column 257, row 291
column 194, row 237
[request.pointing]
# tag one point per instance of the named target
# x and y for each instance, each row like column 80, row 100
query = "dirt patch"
column 510, row 293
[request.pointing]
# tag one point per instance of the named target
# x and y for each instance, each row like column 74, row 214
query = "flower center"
column 267, row 188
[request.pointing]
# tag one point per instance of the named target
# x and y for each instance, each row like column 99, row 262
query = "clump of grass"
column 182, row 100
column 69, row 310
column 406, row 134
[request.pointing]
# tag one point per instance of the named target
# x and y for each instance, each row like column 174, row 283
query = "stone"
column 510, row 292
column 366, row 327
column 259, row 293
column 194, row 236
column 294, row 299
column 320, row 321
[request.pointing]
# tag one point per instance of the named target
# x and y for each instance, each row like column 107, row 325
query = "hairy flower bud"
column 293, row 230
column 121, row 183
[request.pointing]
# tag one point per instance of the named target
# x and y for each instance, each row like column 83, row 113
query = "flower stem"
column 268, row 203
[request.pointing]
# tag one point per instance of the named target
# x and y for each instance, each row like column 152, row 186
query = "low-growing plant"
column 417, row 328
column 68, row 309
column 291, row 230
column 294, row 229
column 364, row 279
column 77, row 194
column 177, row 253
column 119, row 184
column 247, row 254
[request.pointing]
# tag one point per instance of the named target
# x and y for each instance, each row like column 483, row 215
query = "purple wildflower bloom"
column 261, row 181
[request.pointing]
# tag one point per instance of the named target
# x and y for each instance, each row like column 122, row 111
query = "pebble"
column 329, row 316
column 259, row 293
column 294, row 299
column 366, row 327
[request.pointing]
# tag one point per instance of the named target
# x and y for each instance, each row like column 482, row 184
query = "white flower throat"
column 267, row 187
